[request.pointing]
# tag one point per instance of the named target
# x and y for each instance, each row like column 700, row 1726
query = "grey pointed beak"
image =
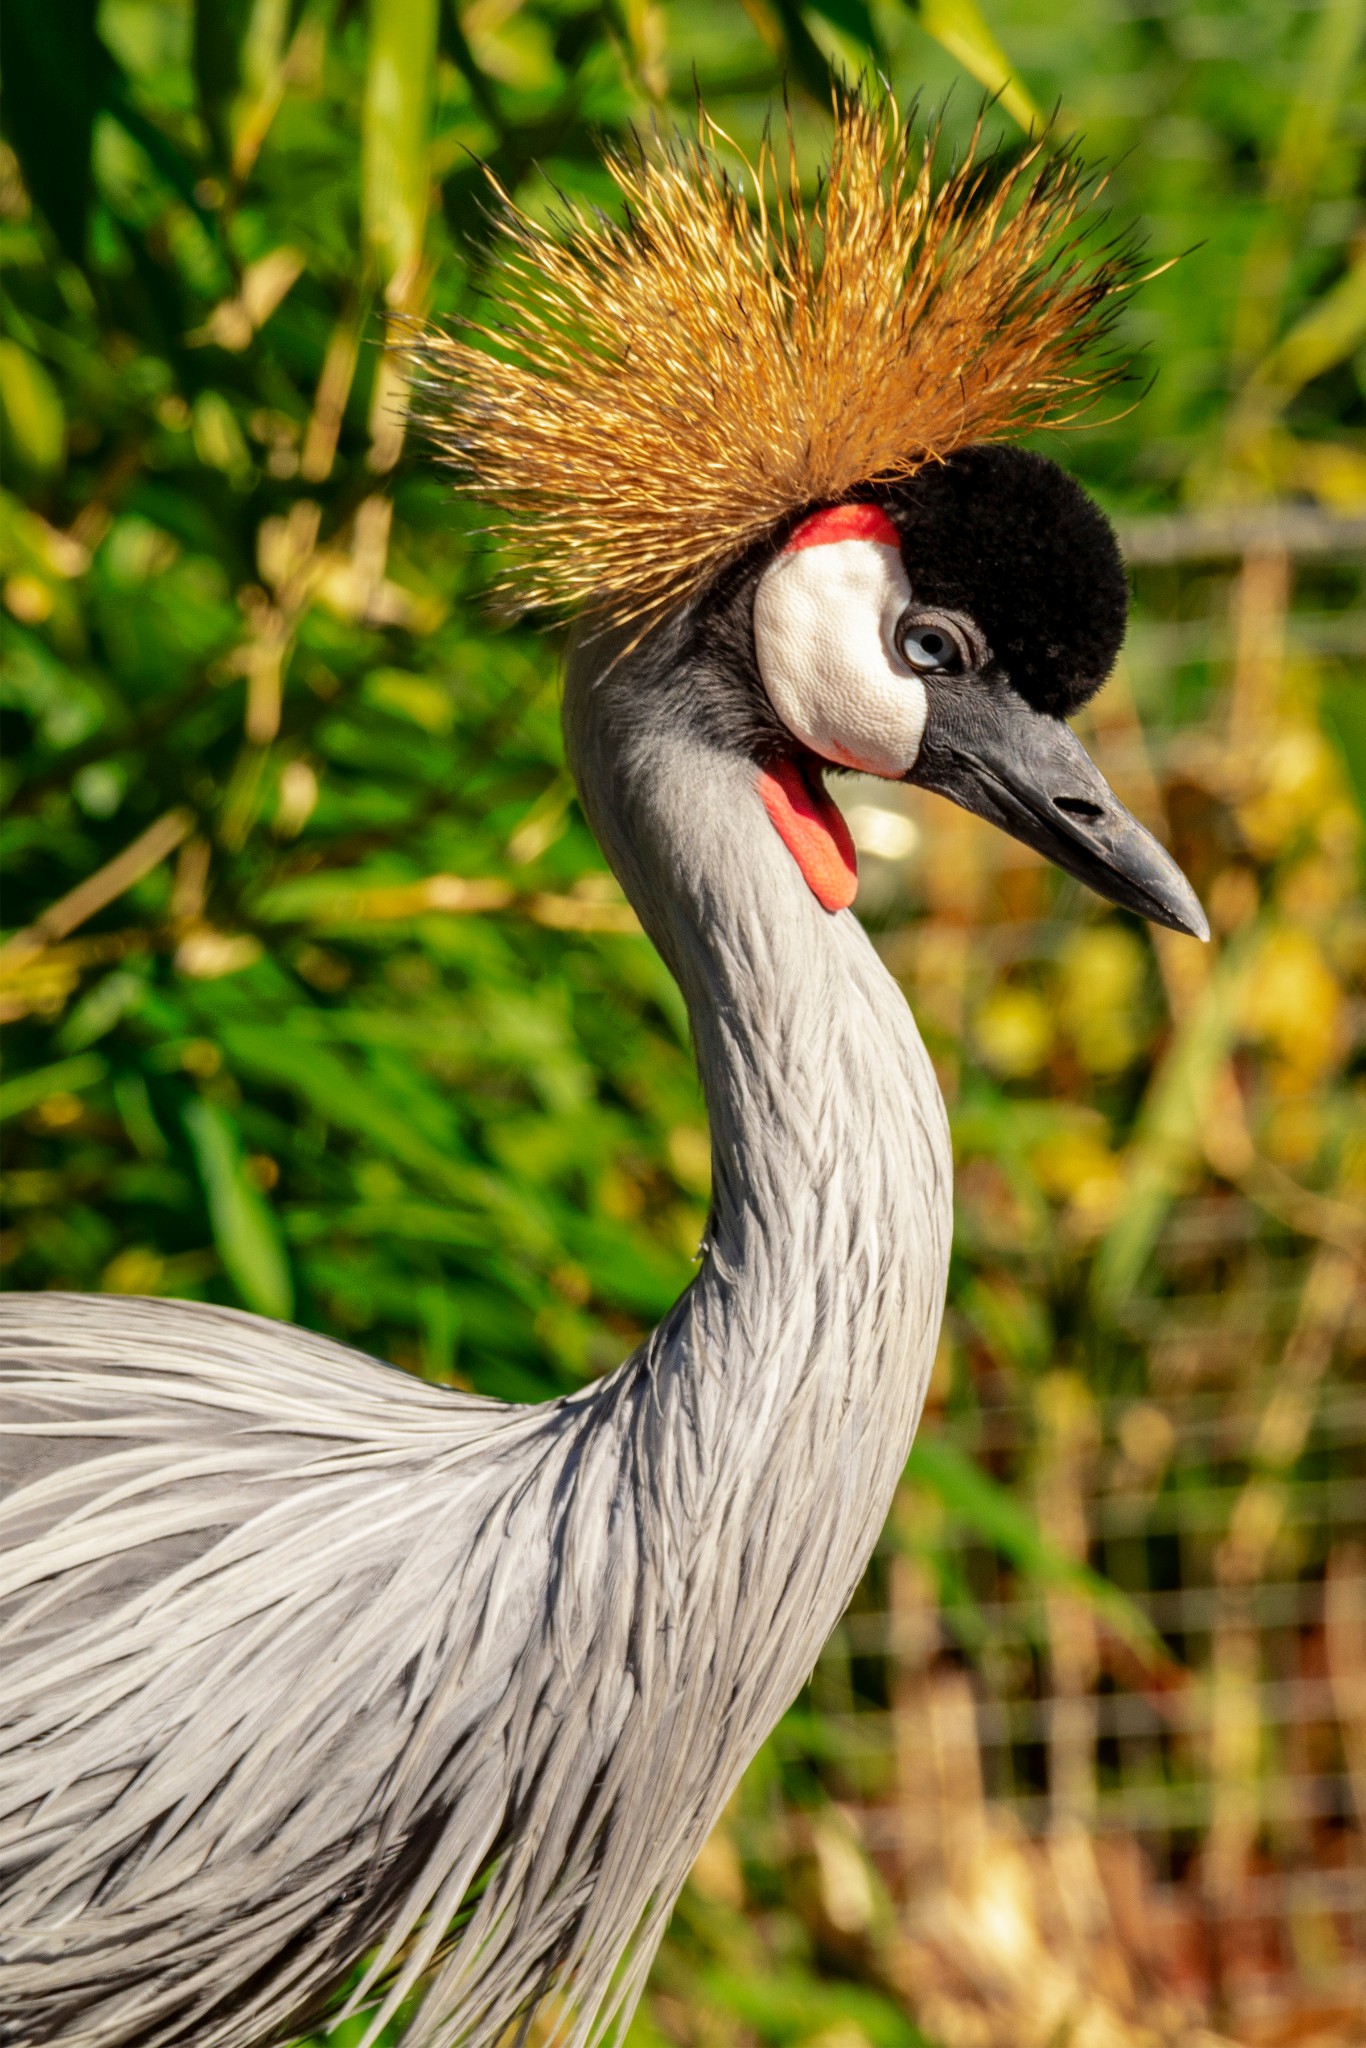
column 1027, row 772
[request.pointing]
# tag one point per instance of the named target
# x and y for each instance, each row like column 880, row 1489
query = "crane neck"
column 828, row 1240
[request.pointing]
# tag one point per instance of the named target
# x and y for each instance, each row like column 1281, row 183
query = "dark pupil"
column 933, row 643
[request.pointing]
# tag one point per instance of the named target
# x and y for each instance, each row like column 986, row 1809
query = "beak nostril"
column 1078, row 807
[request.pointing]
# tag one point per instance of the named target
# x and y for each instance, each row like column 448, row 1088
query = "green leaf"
column 782, row 24
column 994, row 1514
column 245, row 1230
column 176, row 169
column 782, row 2006
column 395, row 136
column 56, row 74
column 102, row 1007
column 1167, row 1136
column 1344, row 712
column 34, row 421
column 854, row 21
column 218, row 440
column 219, row 29
column 1332, row 330
column 426, row 703
column 67, row 1077
column 350, row 1100
column 1309, row 139
column 959, row 26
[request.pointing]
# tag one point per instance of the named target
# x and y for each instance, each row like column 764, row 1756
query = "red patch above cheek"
column 814, row 833
column 844, row 522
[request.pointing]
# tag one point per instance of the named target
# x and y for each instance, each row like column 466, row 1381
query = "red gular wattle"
column 810, row 826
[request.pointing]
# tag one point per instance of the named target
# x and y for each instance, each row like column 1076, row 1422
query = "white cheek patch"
column 825, row 618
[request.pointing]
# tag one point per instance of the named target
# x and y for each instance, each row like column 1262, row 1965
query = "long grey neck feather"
column 828, row 1240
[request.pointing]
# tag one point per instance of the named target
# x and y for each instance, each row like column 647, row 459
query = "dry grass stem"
column 146, row 852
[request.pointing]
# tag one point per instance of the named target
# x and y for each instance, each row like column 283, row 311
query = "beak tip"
column 1027, row 772
column 1188, row 915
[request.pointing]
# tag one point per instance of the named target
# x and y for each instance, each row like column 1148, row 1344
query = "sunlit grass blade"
column 960, row 26
column 244, row 1227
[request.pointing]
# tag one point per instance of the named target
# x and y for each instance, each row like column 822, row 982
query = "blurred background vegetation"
column 320, row 1002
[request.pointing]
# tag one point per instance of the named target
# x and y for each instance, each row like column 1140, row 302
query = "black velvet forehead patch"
column 1015, row 543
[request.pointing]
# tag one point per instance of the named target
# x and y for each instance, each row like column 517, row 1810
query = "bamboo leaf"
column 219, row 29
column 245, row 1230
column 259, row 80
column 960, row 27
column 1308, row 145
column 55, row 77
column 784, row 2006
column 395, row 137
column 994, row 1514
column 1332, row 330
column 1168, row 1133
column 34, row 420
column 853, row 19
column 783, row 27
column 1309, row 136
column 350, row 1100
column 67, row 1077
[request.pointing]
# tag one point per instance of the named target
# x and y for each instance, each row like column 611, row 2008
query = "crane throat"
column 809, row 823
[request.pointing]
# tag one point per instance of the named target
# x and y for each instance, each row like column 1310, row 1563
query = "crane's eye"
column 932, row 646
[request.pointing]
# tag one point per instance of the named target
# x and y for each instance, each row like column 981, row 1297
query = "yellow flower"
column 1101, row 971
column 1299, row 780
column 1014, row 1031
column 1292, row 1002
column 1076, row 1166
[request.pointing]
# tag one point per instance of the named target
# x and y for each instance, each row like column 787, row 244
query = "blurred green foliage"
column 319, row 999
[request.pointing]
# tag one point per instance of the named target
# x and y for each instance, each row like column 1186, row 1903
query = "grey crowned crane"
column 312, row 1673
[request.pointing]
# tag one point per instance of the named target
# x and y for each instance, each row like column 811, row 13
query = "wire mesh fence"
column 1146, row 1821
column 1215, row 1787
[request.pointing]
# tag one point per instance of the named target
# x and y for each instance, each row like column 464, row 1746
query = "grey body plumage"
column 294, row 1651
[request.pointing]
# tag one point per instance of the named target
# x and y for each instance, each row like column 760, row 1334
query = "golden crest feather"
column 662, row 393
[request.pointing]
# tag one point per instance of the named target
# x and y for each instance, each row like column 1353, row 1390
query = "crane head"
column 939, row 632
column 726, row 384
